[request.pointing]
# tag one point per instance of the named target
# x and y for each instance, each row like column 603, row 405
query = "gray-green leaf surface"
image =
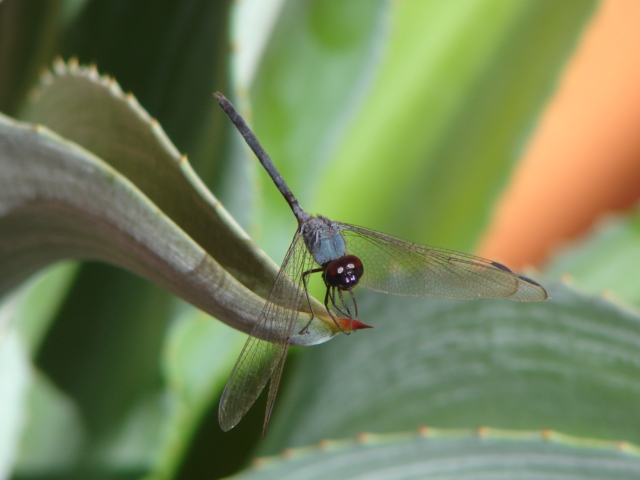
column 562, row 363
column 448, row 455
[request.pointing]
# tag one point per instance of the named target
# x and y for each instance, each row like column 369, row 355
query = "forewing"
column 392, row 265
column 264, row 353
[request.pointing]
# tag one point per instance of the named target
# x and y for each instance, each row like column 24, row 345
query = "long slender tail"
column 264, row 158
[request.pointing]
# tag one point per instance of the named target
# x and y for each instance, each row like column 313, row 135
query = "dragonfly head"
column 343, row 273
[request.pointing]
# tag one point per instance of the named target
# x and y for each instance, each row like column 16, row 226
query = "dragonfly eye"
column 343, row 273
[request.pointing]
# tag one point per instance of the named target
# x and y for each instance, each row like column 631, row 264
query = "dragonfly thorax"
column 343, row 273
column 323, row 239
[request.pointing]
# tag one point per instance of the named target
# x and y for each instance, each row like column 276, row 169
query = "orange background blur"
column 583, row 159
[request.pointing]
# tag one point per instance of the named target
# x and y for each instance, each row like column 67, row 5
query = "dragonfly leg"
column 348, row 314
column 355, row 304
column 331, row 296
column 306, row 292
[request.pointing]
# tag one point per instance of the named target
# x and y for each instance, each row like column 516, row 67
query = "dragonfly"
column 346, row 256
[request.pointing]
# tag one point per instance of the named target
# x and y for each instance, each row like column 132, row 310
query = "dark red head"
column 343, row 273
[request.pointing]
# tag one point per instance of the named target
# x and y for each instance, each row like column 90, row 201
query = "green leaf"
column 90, row 110
column 14, row 382
column 464, row 364
column 171, row 58
column 454, row 454
column 58, row 201
column 28, row 40
column 50, row 412
column 423, row 146
column 103, row 352
column 447, row 114
column 312, row 79
column 41, row 300
column 200, row 246
column 193, row 342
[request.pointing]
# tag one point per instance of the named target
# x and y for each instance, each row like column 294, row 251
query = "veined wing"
column 392, row 265
column 264, row 353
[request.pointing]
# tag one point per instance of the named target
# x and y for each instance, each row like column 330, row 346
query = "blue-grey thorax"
column 323, row 239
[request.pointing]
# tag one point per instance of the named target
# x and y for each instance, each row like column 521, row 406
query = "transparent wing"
column 264, row 353
column 392, row 265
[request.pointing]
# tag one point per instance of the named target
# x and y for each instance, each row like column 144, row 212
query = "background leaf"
column 14, row 383
column 171, row 71
column 314, row 75
column 459, row 364
column 453, row 454
column 49, row 412
column 436, row 127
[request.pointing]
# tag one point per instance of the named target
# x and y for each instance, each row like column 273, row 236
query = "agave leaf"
column 58, row 201
column 461, row 364
column 454, row 454
column 91, row 110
